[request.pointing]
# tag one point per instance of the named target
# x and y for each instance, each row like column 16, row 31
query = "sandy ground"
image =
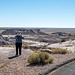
column 20, row 66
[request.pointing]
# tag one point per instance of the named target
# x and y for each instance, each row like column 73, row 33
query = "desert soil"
column 20, row 66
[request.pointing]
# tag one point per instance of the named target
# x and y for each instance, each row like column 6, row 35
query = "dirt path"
column 68, row 69
column 15, row 65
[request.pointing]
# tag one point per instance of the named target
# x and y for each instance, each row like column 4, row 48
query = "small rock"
column 46, row 50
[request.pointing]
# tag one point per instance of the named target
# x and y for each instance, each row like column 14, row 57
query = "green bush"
column 39, row 57
column 60, row 51
column 25, row 46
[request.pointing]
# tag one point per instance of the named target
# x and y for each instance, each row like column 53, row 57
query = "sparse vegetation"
column 60, row 51
column 9, row 45
column 25, row 46
column 2, row 45
column 44, row 46
column 72, row 39
column 1, row 65
column 39, row 57
column 35, row 41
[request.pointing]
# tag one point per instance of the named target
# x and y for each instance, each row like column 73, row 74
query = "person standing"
column 18, row 43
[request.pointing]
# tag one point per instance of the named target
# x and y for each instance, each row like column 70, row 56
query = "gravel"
column 20, row 66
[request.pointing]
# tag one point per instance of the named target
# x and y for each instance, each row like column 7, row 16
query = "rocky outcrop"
column 61, row 34
column 46, row 50
column 4, row 40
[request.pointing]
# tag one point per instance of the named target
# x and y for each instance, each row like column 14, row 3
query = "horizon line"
column 40, row 27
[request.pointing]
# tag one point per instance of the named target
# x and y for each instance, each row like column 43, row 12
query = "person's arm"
column 15, row 37
column 22, row 37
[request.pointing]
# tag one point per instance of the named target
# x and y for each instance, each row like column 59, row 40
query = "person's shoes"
column 16, row 54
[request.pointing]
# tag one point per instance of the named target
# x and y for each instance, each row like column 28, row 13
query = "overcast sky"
column 37, row 13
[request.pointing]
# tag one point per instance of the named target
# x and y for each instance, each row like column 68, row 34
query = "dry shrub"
column 39, row 57
column 72, row 39
column 1, row 65
column 60, row 51
column 25, row 46
column 9, row 45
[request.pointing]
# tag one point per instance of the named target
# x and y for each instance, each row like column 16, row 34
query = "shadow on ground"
column 13, row 57
column 41, row 64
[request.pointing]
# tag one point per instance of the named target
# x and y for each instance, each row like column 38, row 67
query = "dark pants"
column 18, row 46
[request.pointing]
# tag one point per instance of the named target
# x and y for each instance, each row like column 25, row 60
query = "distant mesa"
column 23, row 31
column 61, row 34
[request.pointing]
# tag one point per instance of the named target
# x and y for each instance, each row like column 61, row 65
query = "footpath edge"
column 50, row 69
